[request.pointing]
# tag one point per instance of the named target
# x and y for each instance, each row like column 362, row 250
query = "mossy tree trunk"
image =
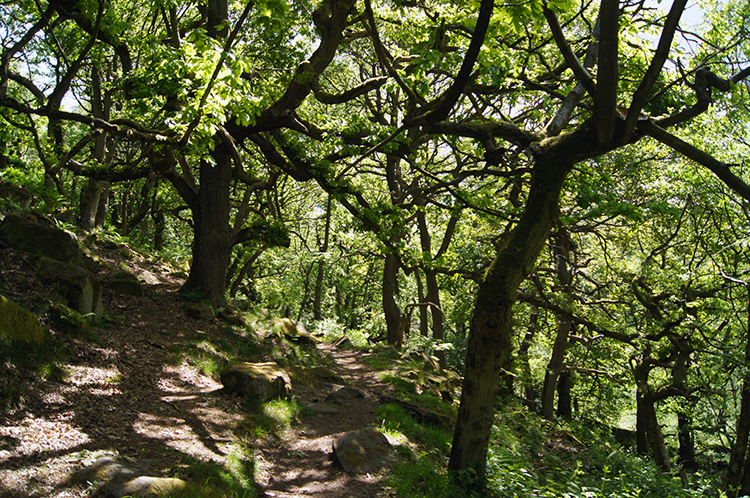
column 491, row 334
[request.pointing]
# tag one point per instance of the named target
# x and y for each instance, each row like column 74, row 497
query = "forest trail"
column 301, row 464
column 135, row 393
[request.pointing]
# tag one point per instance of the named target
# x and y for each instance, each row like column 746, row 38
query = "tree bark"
column 687, row 442
column 390, row 306
column 424, row 323
column 523, row 359
column 318, row 295
column 738, row 458
column 564, row 401
column 561, row 251
column 433, row 290
column 491, row 333
column 212, row 246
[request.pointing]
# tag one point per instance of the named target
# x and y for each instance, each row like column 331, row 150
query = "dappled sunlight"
column 33, row 436
column 79, row 375
column 178, row 434
column 184, row 378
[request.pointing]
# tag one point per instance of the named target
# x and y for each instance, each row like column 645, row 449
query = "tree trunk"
column 89, row 202
column 424, row 322
column 433, row 291
column 738, row 458
column 3, row 153
column 653, row 434
column 554, row 367
column 157, row 214
column 390, row 306
column 103, row 206
column 318, row 295
column 212, row 246
column 687, row 443
column 491, row 331
column 523, row 359
column 564, row 405
column 641, row 441
column 561, row 251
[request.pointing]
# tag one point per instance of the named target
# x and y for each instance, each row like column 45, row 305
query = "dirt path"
column 301, row 465
column 130, row 394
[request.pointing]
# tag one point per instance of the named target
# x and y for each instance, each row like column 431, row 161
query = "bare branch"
column 640, row 98
column 720, row 169
column 581, row 73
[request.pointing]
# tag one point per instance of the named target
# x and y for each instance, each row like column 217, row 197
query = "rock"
column 312, row 376
column 20, row 195
column 294, row 331
column 362, row 451
column 421, row 414
column 261, row 381
column 19, row 324
column 201, row 311
column 115, row 479
column 430, row 362
column 151, row 486
column 76, row 285
column 69, row 320
column 321, row 408
column 126, row 283
column 234, row 317
column 29, row 236
column 344, row 394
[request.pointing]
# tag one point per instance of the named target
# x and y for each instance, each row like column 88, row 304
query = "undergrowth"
column 528, row 457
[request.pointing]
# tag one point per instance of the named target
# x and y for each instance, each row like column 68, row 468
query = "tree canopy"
column 555, row 176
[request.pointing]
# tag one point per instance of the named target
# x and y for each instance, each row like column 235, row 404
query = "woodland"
column 548, row 196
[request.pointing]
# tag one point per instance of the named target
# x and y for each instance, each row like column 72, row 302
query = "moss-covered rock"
column 362, row 451
column 68, row 320
column 77, row 287
column 261, row 381
column 29, row 236
column 293, row 331
column 200, row 311
column 313, row 376
column 19, row 324
column 114, row 478
column 126, row 283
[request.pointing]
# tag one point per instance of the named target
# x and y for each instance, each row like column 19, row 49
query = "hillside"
column 144, row 387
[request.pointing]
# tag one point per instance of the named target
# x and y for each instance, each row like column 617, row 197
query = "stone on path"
column 115, row 479
column 321, row 408
column 362, row 451
column 261, row 381
column 344, row 394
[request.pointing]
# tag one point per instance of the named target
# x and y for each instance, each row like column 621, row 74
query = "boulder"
column 29, row 236
column 261, row 381
column 294, row 331
column 18, row 324
column 126, row 283
column 113, row 478
column 20, row 195
column 312, row 376
column 344, row 394
column 76, row 285
column 200, row 311
column 234, row 317
column 68, row 320
column 362, row 451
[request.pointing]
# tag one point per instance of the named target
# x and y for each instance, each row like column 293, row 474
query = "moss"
column 18, row 324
